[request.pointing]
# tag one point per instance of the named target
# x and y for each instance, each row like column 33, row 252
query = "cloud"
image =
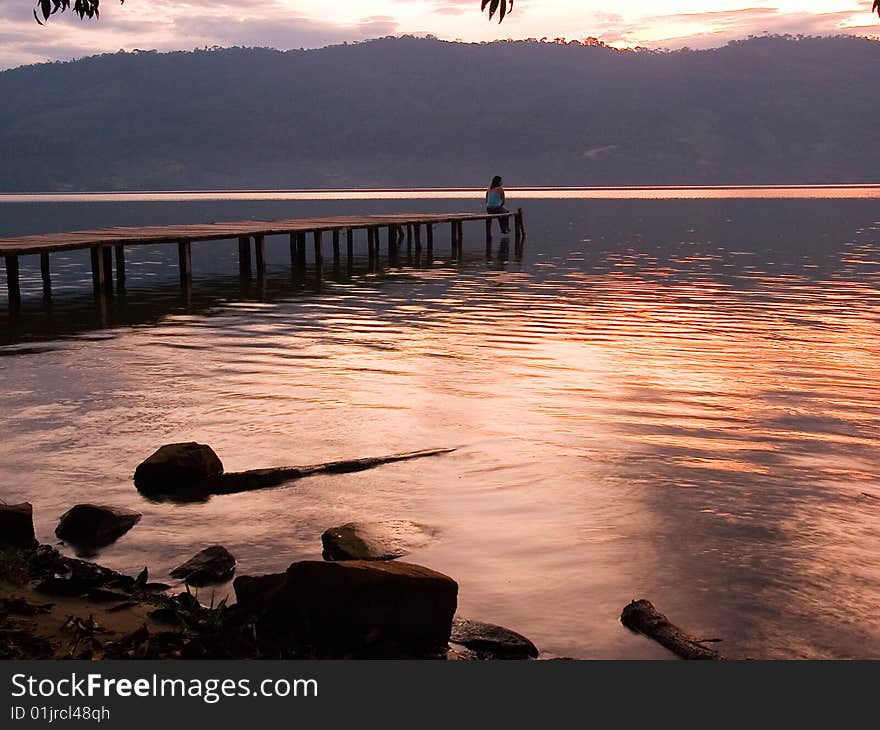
column 168, row 25
column 282, row 32
column 716, row 28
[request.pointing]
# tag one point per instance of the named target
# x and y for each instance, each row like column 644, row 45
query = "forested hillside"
column 422, row 112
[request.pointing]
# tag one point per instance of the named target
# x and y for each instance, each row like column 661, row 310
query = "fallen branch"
column 245, row 481
column 641, row 616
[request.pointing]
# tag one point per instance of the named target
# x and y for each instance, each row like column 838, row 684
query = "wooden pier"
column 108, row 244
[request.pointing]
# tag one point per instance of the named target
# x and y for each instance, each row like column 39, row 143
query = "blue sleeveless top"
column 493, row 200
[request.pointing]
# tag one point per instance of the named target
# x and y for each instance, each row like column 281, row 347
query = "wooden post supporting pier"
column 392, row 240
column 301, row 249
column 13, row 283
column 488, row 230
column 319, row 254
column 260, row 254
column 294, row 250
column 107, row 254
column 518, row 223
column 457, row 238
column 349, row 243
column 244, row 255
column 45, row 274
column 98, row 271
column 336, row 247
column 120, row 265
column 184, row 253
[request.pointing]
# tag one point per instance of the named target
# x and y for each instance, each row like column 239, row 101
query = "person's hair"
column 496, row 181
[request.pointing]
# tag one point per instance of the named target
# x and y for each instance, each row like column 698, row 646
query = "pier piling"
column 45, row 274
column 13, row 283
column 120, row 265
column 319, row 254
column 98, row 271
column 260, row 254
column 244, row 255
column 184, row 253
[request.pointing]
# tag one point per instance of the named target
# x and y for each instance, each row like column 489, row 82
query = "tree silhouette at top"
column 89, row 8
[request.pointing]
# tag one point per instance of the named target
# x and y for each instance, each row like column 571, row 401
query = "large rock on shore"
column 93, row 526
column 489, row 641
column 352, row 609
column 17, row 525
column 386, row 540
column 212, row 565
column 178, row 467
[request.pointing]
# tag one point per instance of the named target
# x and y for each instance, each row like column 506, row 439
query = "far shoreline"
column 534, row 192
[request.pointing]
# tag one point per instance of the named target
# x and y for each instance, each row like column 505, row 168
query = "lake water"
column 671, row 395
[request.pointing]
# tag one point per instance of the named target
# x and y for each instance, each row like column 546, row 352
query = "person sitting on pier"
column 495, row 200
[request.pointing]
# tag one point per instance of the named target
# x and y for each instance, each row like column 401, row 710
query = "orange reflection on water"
column 691, row 422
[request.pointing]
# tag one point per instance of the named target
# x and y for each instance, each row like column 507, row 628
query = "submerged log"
column 641, row 616
column 245, row 481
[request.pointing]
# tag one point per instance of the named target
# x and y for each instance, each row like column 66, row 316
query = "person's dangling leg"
column 502, row 222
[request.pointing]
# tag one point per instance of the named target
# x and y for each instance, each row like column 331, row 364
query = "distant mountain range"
column 416, row 112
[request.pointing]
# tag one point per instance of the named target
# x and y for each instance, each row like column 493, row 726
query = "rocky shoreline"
column 361, row 602
column 56, row 607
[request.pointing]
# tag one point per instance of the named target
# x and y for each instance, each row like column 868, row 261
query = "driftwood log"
column 641, row 616
column 244, row 481
column 197, row 490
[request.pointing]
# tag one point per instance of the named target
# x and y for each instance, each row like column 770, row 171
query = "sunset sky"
column 284, row 24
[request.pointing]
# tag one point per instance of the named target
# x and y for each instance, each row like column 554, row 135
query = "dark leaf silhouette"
column 89, row 8
column 83, row 8
column 502, row 7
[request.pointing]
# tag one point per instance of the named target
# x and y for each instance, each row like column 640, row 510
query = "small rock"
column 167, row 616
column 178, row 467
column 122, row 583
column 212, row 565
column 92, row 526
column 141, row 581
column 461, row 654
column 17, row 525
column 63, row 587
column 352, row 609
column 187, row 601
column 22, row 607
column 385, row 540
column 122, row 606
column 102, row 595
column 490, row 641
